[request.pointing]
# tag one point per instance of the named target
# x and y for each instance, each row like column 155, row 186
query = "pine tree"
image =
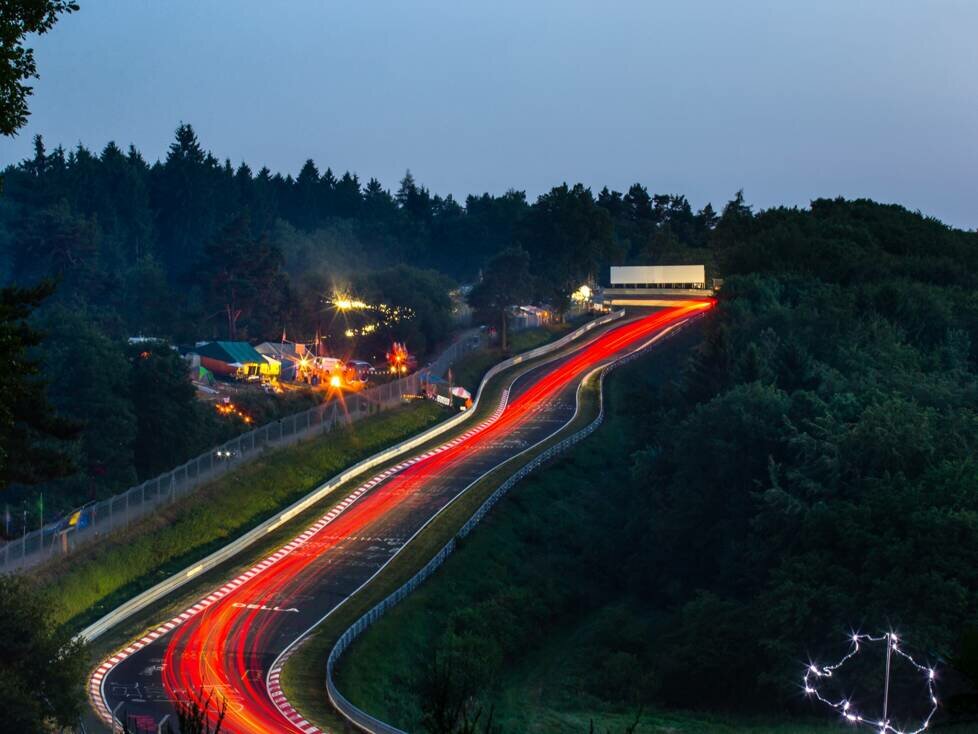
column 407, row 189
column 30, row 431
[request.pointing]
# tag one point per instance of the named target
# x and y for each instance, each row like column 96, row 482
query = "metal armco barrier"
column 374, row 725
column 120, row 510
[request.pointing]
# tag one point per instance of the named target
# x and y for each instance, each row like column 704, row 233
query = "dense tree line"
column 811, row 470
column 815, row 470
column 191, row 248
column 168, row 247
column 42, row 676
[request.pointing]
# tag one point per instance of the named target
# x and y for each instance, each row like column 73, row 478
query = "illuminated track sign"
column 658, row 275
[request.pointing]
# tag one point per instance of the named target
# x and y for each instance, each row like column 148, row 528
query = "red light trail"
column 226, row 647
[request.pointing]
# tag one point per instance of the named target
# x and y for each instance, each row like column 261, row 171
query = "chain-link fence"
column 356, row 715
column 97, row 520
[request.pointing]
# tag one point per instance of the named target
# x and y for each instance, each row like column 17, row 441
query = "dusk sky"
column 787, row 100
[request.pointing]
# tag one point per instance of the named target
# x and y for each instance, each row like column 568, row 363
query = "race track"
column 226, row 644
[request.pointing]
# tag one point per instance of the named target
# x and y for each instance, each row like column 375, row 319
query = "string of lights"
column 389, row 315
column 844, row 706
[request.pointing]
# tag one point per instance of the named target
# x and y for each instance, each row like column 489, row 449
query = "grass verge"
column 98, row 578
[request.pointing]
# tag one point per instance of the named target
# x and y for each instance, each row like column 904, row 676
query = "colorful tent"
column 204, row 375
column 234, row 359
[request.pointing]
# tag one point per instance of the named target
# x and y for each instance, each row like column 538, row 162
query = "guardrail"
column 118, row 511
column 223, row 554
column 374, row 725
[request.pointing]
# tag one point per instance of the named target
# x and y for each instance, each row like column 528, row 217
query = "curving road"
column 226, row 644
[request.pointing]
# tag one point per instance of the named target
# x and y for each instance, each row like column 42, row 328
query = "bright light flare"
column 582, row 294
column 348, row 303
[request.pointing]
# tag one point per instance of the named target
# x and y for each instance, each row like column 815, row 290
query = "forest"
column 191, row 248
column 801, row 468
column 814, row 471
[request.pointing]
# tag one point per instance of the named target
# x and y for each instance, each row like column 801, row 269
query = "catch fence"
column 95, row 521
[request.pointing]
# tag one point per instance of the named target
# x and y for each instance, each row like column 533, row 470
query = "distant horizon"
column 789, row 104
column 460, row 197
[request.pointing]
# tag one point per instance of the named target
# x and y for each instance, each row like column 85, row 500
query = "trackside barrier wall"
column 356, row 715
column 143, row 499
column 463, row 345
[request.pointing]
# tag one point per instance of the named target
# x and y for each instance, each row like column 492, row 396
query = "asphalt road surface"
column 225, row 645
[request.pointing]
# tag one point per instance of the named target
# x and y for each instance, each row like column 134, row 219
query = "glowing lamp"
column 582, row 294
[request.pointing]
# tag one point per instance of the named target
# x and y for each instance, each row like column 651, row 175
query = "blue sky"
column 786, row 99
